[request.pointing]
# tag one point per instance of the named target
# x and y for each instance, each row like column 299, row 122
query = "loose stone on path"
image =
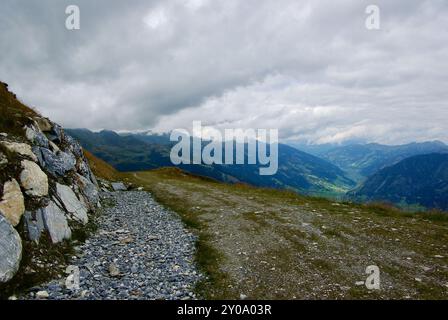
column 140, row 251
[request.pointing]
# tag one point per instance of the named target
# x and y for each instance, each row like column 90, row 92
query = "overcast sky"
column 309, row 68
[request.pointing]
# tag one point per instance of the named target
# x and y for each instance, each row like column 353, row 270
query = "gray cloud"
column 310, row 67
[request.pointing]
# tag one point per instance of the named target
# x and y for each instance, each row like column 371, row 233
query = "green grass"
column 100, row 168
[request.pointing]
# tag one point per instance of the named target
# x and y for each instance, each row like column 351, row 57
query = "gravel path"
column 140, row 251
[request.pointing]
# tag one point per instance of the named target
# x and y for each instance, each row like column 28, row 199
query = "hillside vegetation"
column 267, row 244
column 420, row 181
column 101, row 168
column 14, row 114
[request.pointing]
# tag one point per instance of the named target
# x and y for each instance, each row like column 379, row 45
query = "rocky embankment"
column 117, row 245
column 47, row 190
column 140, row 251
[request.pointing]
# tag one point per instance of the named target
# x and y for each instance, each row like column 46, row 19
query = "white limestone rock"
column 12, row 205
column 22, row 149
column 33, row 179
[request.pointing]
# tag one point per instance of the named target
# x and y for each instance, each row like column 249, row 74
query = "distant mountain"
column 314, row 149
column 124, row 153
column 420, row 180
column 298, row 170
column 361, row 161
column 151, row 138
column 320, row 149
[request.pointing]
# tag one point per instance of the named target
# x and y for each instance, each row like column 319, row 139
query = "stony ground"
column 265, row 244
column 140, row 251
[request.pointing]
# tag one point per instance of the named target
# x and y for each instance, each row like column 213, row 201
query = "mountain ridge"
column 420, row 180
column 297, row 170
column 363, row 160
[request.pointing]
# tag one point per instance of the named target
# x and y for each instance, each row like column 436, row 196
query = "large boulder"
column 74, row 206
column 36, row 137
column 12, row 205
column 56, row 134
column 34, row 224
column 10, row 250
column 22, row 149
column 58, row 164
column 33, row 179
column 89, row 190
column 56, row 223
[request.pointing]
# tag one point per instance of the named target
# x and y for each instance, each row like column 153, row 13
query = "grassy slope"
column 272, row 244
column 101, row 168
column 13, row 113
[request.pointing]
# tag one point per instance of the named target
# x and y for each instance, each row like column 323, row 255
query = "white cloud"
column 195, row 5
column 156, row 18
column 309, row 68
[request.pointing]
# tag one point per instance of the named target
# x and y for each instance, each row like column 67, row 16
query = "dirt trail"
column 279, row 246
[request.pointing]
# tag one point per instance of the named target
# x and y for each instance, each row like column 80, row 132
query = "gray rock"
column 89, row 190
column 74, row 146
column 33, row 179
column 36, row 137
column 56, row 134
column 10, row 250
column 58, row 164
column 34, row 223
column 56, row 223
column 93, row 178
column 84, row 169
column 38, row 154
column 72, row 203
column 119, row 186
